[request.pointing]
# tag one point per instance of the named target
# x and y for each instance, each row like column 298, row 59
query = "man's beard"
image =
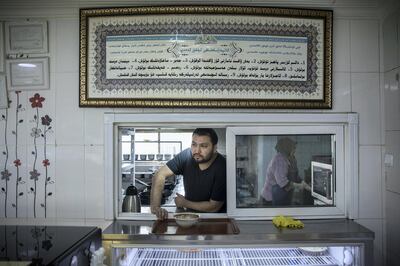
column 202, row 159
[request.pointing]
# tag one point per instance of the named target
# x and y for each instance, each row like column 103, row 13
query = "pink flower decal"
column 36, row 100
column 46, row 162
column 17, row 162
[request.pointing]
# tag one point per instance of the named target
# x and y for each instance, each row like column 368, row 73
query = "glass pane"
column 143, row 152
column 285, row 170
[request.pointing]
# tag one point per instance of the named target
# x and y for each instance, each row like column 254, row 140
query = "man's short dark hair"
column 207, row 132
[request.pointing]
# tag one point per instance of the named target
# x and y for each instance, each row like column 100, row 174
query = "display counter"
column 340, row 239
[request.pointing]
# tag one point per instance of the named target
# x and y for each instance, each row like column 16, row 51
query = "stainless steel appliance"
column 260, row 256
column 49, row 245
column 322, row 183
column 258, row 242
column 131, row 202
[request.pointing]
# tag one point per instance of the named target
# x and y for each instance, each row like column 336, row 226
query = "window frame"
column 348, row 121
column 336, row 211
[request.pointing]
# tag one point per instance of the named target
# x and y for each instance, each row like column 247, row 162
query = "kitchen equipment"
column 131, row 202
column 205, row 255
column 150, row 157
column 186, row 219
column 143, row 157
column 48, row 245
column 126, row 157
column 258, row 242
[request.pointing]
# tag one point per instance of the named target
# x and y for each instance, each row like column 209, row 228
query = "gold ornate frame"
column 206, row 56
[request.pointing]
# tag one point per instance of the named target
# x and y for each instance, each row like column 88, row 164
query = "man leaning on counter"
column 204, row 176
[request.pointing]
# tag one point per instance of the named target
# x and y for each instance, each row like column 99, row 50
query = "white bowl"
column 186, row 219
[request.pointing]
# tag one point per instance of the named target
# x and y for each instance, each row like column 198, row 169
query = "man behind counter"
column 204, row 176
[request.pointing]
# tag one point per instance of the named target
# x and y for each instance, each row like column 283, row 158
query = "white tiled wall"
column 365, row 101
column 78, row 132
column 392, row 228
column 391, row 88
column 364, row 45
column 370, row 183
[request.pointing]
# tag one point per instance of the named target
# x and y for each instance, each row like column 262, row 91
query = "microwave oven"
column 322, row 183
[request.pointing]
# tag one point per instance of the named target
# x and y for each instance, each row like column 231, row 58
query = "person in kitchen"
column 282, row 175
column 204, row 176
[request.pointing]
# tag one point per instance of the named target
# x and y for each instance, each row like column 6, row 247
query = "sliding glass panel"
column 285, row 170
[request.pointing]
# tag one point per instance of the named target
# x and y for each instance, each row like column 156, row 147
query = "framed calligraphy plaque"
column 205, row 56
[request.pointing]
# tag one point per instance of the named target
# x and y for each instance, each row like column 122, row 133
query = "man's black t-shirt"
column 201, row 185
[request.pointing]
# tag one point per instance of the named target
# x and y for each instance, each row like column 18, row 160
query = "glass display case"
column 321, row 242
column 234, row 256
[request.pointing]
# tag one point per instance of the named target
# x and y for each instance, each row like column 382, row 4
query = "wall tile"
column 36, row 162
column 364, row 45
column 341, row 45
column 365, row 93
column 391, row 94
column 376, row 225
column 393, row 172
column 70, row 181
column 390, row 42
column 67, row 45
column 7, row 163
column 94, row 126
column 341, row 92
column 52, row 29
column 392, row 227
column 398, row 38
column 370, row 182
column 8, row 123
column 94, row 181
column 69, row 117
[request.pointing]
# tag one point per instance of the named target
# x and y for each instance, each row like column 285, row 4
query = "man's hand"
column 159, row 212
column 180, row 201
column 305, row 186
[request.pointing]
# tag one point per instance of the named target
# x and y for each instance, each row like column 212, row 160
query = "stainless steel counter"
column 262, row 233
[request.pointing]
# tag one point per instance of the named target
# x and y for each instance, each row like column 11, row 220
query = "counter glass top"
column 342, row 230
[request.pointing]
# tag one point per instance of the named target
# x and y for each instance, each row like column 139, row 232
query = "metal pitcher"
column 131, row 202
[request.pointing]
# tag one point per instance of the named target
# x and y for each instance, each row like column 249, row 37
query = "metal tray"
column 216, row 226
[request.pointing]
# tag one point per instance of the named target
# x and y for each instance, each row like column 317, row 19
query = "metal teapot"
column 131, row 202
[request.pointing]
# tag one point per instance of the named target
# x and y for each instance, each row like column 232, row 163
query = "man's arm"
column 203, row 206
column 157, row 188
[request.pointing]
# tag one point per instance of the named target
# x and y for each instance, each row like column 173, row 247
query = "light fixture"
column 26, row 65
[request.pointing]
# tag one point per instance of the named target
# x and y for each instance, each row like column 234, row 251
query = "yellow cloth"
column 287, row 222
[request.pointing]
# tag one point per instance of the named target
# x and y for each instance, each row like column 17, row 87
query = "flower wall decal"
column 5, row 175
column 37, row 102
column 11, row 168
column 46, row 123
column 17, row 161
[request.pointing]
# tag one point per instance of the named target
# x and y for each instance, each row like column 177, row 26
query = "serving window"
column 321, row 175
